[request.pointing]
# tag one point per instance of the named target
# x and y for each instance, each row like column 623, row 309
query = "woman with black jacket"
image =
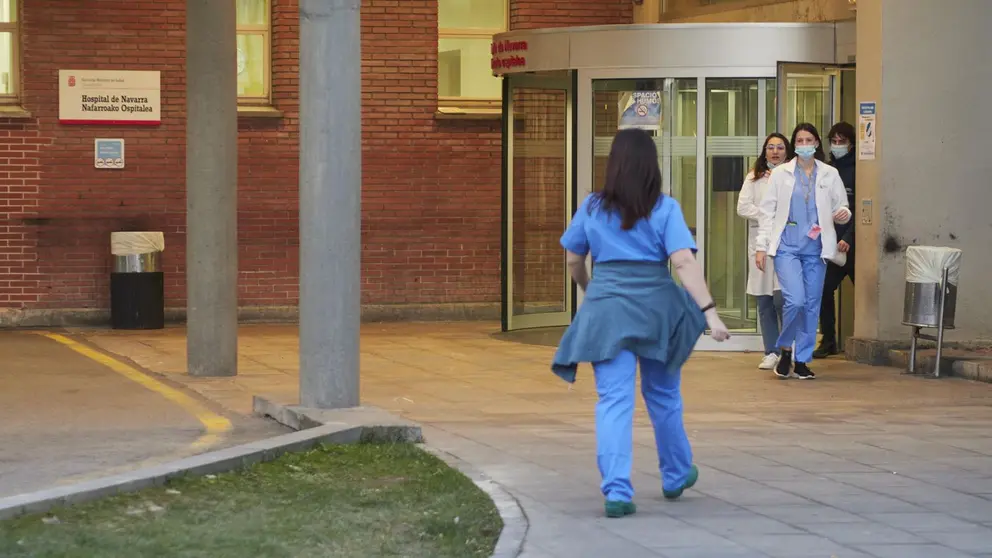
column 842, row 158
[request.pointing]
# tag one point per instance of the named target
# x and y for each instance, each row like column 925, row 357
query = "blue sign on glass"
column 642, row 109
column 108, row 154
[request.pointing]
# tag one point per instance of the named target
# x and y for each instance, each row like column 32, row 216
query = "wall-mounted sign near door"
column 108, row 153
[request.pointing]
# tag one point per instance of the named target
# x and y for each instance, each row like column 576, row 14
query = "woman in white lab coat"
column 805, row 198
column 763, row 285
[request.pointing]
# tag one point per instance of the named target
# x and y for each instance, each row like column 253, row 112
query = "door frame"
column 836, row 91
column 558, row 81
column 784, row 68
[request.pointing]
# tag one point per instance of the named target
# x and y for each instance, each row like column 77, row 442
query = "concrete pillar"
column 211, row 188
column 929, row 182
column 330, row 202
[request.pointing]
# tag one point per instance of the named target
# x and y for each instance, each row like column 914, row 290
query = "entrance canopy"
column 709, row 93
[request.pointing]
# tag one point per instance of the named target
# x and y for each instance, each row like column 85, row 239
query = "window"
column 465, row 32
column 253, row 51
column 9, row 64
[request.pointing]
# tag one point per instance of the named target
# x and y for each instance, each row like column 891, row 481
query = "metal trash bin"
column 931, row 294
column 137, row 283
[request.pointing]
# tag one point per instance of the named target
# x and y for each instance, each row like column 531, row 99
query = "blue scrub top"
column 802, row 216
column 653, row 239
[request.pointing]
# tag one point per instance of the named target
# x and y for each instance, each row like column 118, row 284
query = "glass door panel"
column 710, row 211
column 808, row 93
column 538, row 193
column 674, row 131
column 735, row 124
column 682, row 150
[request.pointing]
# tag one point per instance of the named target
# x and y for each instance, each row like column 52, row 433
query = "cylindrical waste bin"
column 925, row 267
column 137, row 283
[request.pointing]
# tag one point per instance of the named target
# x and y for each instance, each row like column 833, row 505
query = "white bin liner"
column 925, row 264
column 134, row 243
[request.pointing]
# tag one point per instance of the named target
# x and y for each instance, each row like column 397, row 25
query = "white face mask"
column 806, row 152
column 839, row 151
column 771, row 165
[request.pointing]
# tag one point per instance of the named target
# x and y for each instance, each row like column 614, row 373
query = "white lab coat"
column 774, row 206
column 759, row 283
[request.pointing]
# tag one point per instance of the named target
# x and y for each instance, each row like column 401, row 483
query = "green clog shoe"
column 619, row 509
column 690, row 481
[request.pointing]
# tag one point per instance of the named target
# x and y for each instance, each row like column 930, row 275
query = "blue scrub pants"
column 770, row 318
column 801, row 277
column 615, row 383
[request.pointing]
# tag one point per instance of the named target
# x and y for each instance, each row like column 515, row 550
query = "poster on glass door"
column 640, row 109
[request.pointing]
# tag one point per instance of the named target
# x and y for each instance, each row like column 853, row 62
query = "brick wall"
column 534, row 14
column 76, row 206
column 431, row 199
column 66, row 226
column 20, row 144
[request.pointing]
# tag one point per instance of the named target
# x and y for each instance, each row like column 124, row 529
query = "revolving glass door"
column 538, row 199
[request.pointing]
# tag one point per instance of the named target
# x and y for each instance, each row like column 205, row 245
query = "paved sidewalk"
column 65, row 417
column 863, row 462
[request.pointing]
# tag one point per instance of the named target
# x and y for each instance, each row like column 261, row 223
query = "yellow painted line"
column 215, row 426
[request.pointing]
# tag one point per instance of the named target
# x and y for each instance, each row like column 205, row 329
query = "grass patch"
column 348, row 500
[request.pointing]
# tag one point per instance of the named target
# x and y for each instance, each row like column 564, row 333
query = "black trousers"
column 828, row 315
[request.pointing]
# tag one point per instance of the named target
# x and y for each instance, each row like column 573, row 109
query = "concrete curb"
column 515, row 524
column 376, row 424
column 881, row 353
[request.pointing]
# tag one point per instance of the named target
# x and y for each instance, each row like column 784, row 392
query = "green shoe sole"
column 620, row 509
column 690, row 481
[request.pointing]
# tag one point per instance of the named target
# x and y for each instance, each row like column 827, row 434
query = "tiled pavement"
column 863, row 462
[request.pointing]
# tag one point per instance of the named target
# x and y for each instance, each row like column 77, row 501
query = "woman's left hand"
column 842, row 215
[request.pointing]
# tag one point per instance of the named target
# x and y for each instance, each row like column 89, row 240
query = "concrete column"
column 211, row 188
column 869, row 87
column 929, row 183
column 330, row 202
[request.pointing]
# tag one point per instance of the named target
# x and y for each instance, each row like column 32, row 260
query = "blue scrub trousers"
column 801, row 277
column 615, row 383
column 770, row 318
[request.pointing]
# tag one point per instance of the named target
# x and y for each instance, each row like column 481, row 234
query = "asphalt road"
column 65, row 417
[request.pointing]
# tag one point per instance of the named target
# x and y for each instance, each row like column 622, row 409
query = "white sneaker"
column 769, row 362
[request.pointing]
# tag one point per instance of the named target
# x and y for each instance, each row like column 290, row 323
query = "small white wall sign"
column 108, row 153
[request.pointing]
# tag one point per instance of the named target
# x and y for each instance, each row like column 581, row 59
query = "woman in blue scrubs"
column 633, row 311
column 805, row 198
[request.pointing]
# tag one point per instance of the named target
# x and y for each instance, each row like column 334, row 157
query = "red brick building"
column 431, row 176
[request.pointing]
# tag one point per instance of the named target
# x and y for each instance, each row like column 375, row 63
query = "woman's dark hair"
column 761, row 166
column 633, row 179
column 807, row 127
column 844, row 130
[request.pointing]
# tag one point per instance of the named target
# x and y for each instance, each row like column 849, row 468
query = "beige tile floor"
column 862, row 462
